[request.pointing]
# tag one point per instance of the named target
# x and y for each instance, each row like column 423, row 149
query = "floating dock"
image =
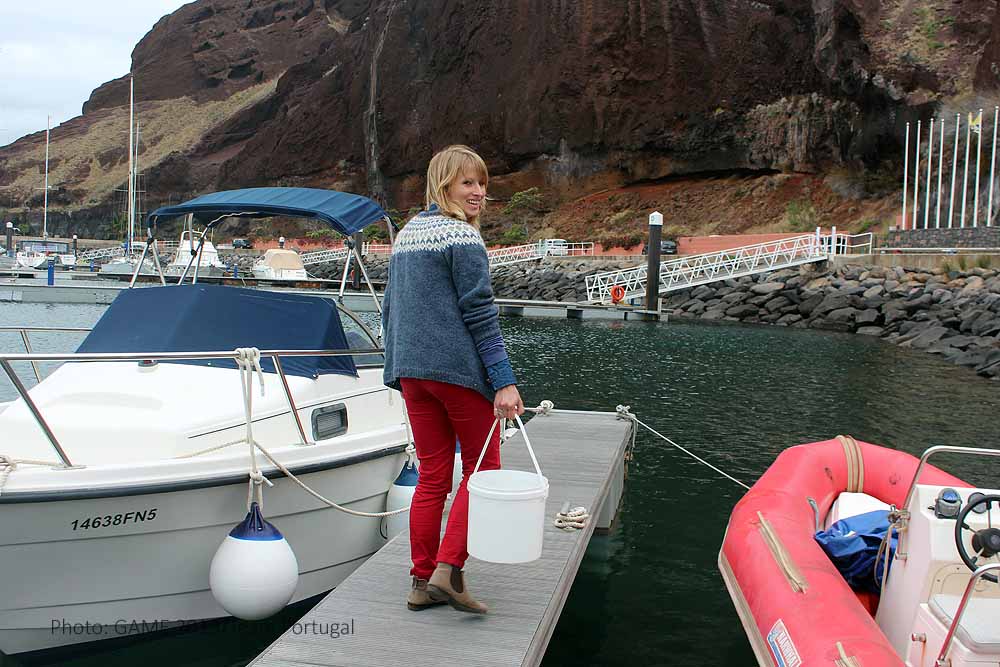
column 584, row 456
column 85, row 288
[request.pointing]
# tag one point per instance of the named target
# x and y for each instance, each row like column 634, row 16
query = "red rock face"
column 213, row 48
column 572, row 95
column 570, row 89
column 576, row 96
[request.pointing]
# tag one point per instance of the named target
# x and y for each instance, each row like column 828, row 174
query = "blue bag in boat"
column 853, row 545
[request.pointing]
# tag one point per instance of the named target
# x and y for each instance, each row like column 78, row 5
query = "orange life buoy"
column 617, row 293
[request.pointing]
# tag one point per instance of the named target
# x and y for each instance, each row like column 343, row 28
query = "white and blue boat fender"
column 254, row 572
column 400, row 496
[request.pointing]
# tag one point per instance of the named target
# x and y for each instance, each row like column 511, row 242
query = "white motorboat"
column 280, row 264
column 126, row 264
column 36, row 254
column 116, row 534
column 208, row 262
column 122, row 472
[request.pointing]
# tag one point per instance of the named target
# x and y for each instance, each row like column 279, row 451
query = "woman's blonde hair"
column 447, row 165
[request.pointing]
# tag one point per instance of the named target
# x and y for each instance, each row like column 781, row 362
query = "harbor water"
column 649, row 593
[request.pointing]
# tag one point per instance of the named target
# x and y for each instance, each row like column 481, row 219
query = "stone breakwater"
column 552, row 279
column 954, row 314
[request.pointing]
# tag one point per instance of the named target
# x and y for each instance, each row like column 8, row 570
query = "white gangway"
column 101, row 253
column 324, row 256
column 692, row 270
column 514, row 254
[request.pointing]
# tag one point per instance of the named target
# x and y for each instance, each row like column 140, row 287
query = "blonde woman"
column 444, row 351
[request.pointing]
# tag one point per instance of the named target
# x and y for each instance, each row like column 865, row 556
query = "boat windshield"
column 360, row 337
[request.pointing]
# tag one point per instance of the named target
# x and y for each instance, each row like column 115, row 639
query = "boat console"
column 934, row 610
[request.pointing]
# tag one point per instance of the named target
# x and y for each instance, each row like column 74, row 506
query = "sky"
column 53, row 53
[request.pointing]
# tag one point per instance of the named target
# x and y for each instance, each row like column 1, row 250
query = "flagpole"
column 45, row 206
column 965, row 179
column 979, row 160
column 131, row 167
column 993, row 163
column 930, row 164
column 916, row 178
column 937, row 215
column 954, row 170
column 906, row 173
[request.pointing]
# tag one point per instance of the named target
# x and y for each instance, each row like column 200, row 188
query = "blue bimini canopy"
column 210, row 318
column 345, row 212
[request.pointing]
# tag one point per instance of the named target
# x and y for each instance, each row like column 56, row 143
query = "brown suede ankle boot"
column 418, row 598
column 447, row 584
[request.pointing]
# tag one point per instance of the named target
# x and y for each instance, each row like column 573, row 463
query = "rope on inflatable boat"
column 884, row 551
column 623, row 413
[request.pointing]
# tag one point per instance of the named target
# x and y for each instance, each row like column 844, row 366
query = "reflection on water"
column 650, row 593
column 736, row 395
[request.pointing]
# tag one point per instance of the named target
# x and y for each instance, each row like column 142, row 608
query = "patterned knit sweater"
column 438, row 316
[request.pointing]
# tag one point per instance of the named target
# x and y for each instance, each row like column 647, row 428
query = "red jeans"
column 438, row 412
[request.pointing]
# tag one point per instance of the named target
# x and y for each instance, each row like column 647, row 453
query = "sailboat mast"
column 45, row 206
column 131, row 166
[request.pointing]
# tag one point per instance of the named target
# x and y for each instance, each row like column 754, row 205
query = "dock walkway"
column 583, row 456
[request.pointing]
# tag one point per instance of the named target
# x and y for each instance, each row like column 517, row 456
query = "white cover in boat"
column 852, row 504
column 978, row 630
column 279, row 258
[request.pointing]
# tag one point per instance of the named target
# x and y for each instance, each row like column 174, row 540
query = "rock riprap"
column 952, row 313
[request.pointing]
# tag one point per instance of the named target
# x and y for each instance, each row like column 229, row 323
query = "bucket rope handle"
column 527, row 442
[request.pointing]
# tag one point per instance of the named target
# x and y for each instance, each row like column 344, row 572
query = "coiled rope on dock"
column 624, row 413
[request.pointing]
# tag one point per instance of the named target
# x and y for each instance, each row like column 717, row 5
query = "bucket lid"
column 508, row 485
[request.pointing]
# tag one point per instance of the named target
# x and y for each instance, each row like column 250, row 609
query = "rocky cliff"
column 570, row 96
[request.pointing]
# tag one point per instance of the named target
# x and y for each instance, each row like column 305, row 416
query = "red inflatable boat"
column 795, row 606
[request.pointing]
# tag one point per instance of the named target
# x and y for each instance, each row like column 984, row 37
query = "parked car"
column 246, row 244
column 667, row 247
column 555, row 247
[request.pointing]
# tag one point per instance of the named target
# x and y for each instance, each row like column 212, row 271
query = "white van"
column 555, row 247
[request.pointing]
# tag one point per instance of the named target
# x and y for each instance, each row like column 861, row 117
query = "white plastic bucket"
column 507, row 511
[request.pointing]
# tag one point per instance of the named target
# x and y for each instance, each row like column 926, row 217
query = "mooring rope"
column 8, row 464
column 623, row 413
column 248, row 361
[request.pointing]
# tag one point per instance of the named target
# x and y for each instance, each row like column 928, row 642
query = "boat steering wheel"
column 986, row 542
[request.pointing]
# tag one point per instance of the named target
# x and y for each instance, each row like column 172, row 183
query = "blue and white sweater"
column 438, row 316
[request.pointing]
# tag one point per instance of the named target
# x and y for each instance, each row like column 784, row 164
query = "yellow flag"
column 976, row 122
